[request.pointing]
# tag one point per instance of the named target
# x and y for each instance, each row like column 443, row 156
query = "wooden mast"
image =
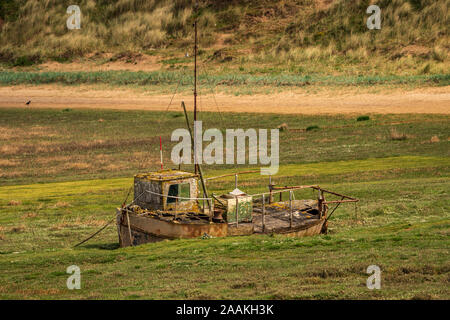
column 195, row 76
column 197, row 167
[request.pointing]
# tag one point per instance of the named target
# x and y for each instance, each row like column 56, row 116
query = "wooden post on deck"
column 129, row 229
column 320, row 202
column 237, row 212
column 263, row 213
column 270, row 190
column 176, row 207
column 290, row 209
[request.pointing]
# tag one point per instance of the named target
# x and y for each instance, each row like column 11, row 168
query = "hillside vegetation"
column 264, row 36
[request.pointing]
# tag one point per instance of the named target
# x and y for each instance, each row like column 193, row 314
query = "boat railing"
column 270, row 195
column 322, row 203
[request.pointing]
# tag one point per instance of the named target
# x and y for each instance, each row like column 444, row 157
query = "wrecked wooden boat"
column 166, row 206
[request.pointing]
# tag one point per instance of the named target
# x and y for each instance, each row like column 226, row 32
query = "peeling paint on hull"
column 147, row 229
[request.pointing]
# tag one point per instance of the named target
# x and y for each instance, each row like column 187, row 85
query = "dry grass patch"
column 77, row 166
column 397, row 136
column 17, row 229
column 95, row 223
column 65, row 224
column 62, row 204
column 415, row 50
column 7, row 133
column 50, row 171
column 326, row 140
column 114, row 167
column 9, row 149
column 298, row 139
column 49, row 160
column 8, row 163
column 49, row 147
column 11, row 174
column 435, row 139
column 33, row 293
column 29, row 215
column 103, row 159
column 78, row 222
column 14, row 203
column 39, row 131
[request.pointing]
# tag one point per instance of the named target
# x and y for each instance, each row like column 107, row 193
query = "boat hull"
column 145, row 229
column 311, row 229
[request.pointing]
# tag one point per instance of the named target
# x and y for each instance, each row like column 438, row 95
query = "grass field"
column 233, row 84
column 63, row 173
column 72, row 144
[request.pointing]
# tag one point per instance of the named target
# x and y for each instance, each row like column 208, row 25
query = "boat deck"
column 277, row 216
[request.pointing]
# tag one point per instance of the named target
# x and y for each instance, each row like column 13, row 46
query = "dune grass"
column 301, row 37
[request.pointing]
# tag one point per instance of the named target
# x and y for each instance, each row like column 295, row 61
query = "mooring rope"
column 94, row 234
column 104, row 227
column 212, row 91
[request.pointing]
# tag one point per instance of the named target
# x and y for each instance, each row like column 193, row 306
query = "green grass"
column 66, row 145
column 363, row 118
column 168, row 80
column 401, row 223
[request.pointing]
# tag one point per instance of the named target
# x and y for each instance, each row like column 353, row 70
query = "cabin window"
column 179, row 190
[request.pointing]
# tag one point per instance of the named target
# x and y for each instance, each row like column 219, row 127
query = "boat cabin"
column 166, row 190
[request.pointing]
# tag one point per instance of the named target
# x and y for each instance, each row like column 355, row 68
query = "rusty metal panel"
column 245, row 209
